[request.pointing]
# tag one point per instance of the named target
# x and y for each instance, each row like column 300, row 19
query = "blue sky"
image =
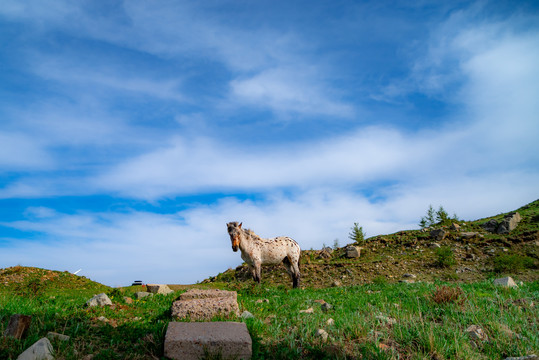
column 132, row 131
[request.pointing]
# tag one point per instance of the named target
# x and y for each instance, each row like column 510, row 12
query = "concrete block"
column 192, row 341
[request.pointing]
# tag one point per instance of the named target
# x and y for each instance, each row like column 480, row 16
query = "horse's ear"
column 240, row 225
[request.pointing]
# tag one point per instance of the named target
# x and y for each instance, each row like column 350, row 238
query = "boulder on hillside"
column 438, row 234
column 509, row 223
column 40, row 350
column 353, row 251
column 99, row 300
column 506, row 281
column 158, row 289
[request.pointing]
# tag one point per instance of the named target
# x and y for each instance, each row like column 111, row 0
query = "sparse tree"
column 357, row 234
column 439, row 217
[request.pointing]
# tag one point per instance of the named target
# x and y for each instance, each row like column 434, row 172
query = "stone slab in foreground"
column 205, row 304
column 193, row 340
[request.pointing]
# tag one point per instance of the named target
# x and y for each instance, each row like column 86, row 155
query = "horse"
column 256, row 251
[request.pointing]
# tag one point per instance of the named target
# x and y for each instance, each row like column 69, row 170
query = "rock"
column 336, row 283
column 327, row 249
column 18, row 326
column 509, row 223
column 438, row 234
column 194, row 340
column 491, row 225
column 386, row 319
column 469, row 235
column 99, row 300
column 260, row 301
column 470, row 256
column 142, row 294
column 506, row 281
column 353, row 251
column 410, row 276
column 476, row 333
column 455, row 227
column 128, row 300
column 204, row 304
column 527, row 357
column 247, row 315
column 40, row 350
column 158, row 289
column 435, row 246
column 324, row 254
column 330, row 322
column 326, row 307
column 307, row 311
column 321, row 333
column 52, row 336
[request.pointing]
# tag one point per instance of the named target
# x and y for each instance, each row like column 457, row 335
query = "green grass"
column 425, row 326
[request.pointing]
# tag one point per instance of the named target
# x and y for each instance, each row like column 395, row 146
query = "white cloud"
column 22, row 152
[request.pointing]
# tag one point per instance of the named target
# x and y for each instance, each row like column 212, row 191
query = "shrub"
column 357, row 234
column 444, row 257
column 448, row 295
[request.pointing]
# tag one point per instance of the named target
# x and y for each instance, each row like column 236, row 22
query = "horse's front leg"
column 256, row 272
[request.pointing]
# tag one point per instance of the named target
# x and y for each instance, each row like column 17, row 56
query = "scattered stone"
column 438, row 234
column 353, row 251
column 321, row 333
column 260, row 301
column 336, row 283
column 330, row 322
column 326, row 307
column 247, row 315
column 128, row 300
column 435, row 246
column 491, row 225
column 204, row 304
column 455, row 227
column 328, row 249
column 18, row 326
column 410, row 276
column 307, row 311
column 142, row 294
column 527, row 357
column 40, row 350
column 324, row 254
column 320, row 301
column 506, row 281
column 386, row 319
column 103, row 319
column 469, row 235
column 509, row 223
column 470, row 257
column 476, row 333
column 99, row 300
column 159, row 289
column 194, row 340
column 53, row 335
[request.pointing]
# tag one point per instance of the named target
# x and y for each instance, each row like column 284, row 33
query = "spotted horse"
column 256, row 251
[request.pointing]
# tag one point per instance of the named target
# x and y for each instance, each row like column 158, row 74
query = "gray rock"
column 527, row 357
column 509, row 223
column 324, row 254
column 326, row 307
column 410, row 276
column 435, row 246
column 469, row 235
column 194, row 340
column 476, row 333
column 438, row 234
column 353, row 251
column 53, row 335
column 40, row 350
column 142, row 294
column 336, row 283
column 99, row 300
column 247, row 315
column 506, row 281
column 455, row 227
column 491, row 225
column 159, row 289
column 321, row 333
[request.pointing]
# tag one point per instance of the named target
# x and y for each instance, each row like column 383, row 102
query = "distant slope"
column 387, row 258
column 31, row 279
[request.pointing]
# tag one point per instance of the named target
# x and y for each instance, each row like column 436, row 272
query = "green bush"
column 444, row 257
column 439, row 217
column 512, row 263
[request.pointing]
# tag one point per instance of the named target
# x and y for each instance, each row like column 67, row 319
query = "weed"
column 447, row 295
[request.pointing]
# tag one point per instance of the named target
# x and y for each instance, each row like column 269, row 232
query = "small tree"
column 357, row 234
column 440, row 217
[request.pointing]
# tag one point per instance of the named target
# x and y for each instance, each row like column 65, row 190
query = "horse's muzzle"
column 234, row 248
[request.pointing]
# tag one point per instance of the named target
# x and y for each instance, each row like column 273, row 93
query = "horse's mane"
column 251, row 234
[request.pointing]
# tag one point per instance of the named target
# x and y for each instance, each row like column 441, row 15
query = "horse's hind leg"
column 255, row 271
column 293, row 270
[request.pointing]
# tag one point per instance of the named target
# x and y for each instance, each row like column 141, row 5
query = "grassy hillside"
column 386, row 258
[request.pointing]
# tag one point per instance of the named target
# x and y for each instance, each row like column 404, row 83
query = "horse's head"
column 234, row 230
